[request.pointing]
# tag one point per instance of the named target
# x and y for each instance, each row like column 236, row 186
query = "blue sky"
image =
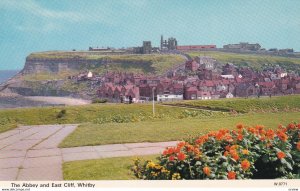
column 28, row 25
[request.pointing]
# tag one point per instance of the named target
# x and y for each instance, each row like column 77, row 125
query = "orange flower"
column 236, row 157
column 206, row 170
column 234, row 147
column 181, row 156
column 259, row 127
column 245, row 164
column 240, row 126
column 282, row 136
column 245, row 152
column 231, row 175
column 196, row 151
column 240, row 137
column 171, row 158
column 270, row 134
column 227, row 147
column 226, row 153
column 298, row 145
column 280, row 155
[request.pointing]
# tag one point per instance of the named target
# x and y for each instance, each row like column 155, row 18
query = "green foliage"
column 249, row 152
column 97, row 100
column 61, row 114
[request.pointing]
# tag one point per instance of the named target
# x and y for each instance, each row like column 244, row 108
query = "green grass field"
column 95, row 113
column 263, row 104
column 102, row 169
column 169, row 129
column 254, row 61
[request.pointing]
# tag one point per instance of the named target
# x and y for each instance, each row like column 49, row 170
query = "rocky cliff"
column 46, row 73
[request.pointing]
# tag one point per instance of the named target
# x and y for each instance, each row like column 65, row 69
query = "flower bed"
column 244, row 153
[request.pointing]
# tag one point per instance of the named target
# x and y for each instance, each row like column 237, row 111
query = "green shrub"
column 61, row 114
column 97, row 100
column 245, row 153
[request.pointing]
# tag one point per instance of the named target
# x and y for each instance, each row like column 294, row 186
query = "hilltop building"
column 196, row 47
column 242, row 46
column 171, row 44
column 99, row 49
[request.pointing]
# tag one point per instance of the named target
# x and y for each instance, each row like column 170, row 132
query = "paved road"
column 32, row 153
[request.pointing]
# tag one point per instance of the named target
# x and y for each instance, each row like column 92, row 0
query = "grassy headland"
column 255, row 61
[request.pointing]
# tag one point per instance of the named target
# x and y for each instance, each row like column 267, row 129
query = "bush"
column 99, row 100
column 245, row 153
column 61, row 114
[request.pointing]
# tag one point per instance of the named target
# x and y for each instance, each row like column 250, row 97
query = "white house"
column 169, row 97
column 227, row 76
column 229, row 95
column 90, row 74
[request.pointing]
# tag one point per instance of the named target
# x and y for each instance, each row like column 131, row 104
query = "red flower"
column 181, row 156
column 206, row 170
column 171, row 158
column 291, row 126
column 298, row 145
column 170, row 150
column 165, row 152
column 240, row 137
column 245, row 164
column 181, row 144
column 231, row 175
column 280, row 155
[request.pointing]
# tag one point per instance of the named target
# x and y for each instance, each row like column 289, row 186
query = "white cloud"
column 33, row 8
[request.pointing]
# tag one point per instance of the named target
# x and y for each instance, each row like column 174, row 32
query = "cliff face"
column 36, row 65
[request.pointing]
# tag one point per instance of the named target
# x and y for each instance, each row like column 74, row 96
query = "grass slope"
column 263, row 104
column 169, row 129
column 257, row 62
column 102, row 169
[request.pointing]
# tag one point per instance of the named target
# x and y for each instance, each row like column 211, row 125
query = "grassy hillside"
column 263, row 104
column 257, row 62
